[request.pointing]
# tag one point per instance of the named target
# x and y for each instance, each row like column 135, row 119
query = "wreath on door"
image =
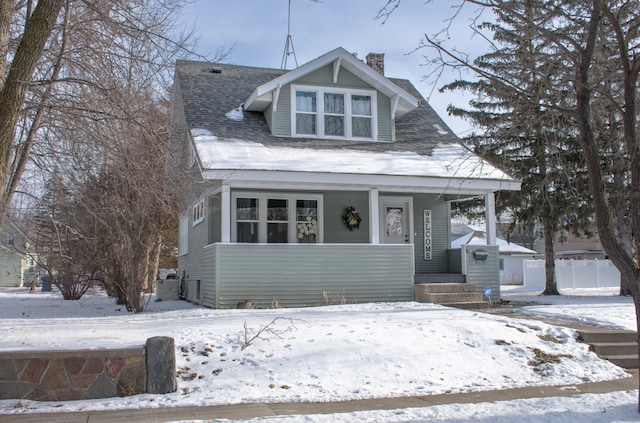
column 351, row 218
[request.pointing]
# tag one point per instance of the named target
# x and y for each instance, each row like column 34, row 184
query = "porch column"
column 225, row 213
column 374, row 216
column 490, row 218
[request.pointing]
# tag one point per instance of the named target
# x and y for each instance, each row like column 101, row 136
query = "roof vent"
column 212, row 70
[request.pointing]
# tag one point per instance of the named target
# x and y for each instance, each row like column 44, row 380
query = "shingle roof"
column 210, row 90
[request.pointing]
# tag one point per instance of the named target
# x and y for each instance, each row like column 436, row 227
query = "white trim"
column 336, row 69
column 291, row 198
column 490, row 218
column 276, row 97
column 225, row 213
column 320, row 91
column 198, row 212
column 374, row 216
column 264, row 179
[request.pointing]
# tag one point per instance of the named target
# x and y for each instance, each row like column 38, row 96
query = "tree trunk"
column 38, row 30
column 550, row 287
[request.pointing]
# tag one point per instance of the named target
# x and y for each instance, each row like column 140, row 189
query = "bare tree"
column 95, row 121
column 50, row 51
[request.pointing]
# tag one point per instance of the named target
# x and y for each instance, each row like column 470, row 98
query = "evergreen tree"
column 525, row 137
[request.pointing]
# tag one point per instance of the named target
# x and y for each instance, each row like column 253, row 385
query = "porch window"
column 307, row 221
column 334, row 113
column 247, row 219
column 277, row 221
column 276, row 218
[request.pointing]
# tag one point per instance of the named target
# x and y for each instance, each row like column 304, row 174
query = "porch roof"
column 449, row 168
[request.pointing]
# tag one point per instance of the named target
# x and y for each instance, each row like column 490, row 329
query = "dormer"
column 335, row 96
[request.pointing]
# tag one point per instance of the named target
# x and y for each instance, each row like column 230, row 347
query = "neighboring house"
column 512, row 256
column 324, row 184
column 568, row 245
column 17, row 267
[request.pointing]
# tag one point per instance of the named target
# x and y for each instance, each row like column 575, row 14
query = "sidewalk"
column 255, row 410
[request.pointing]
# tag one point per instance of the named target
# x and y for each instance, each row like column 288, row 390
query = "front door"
column 395, row 220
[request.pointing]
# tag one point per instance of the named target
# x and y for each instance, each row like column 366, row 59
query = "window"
column 334, row 113
column 198, row 212
column 276, row 218
column 306, row 113
column 183, row 234
column 277, row 221
column 247, row 219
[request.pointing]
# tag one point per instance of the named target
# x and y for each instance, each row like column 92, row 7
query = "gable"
column 279, row 114
column 339, row 60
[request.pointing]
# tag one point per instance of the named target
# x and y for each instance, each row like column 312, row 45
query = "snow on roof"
column 479, row 238
column 448, row 160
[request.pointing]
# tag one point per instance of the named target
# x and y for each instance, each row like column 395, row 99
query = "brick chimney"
column 376, row 61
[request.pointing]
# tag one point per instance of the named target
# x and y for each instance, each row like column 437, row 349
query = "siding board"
column 299, row 276
column 483, row 273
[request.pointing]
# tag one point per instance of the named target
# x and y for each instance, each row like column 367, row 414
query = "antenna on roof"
column 288, row 46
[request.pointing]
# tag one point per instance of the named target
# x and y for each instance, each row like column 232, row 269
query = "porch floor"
column 439, row 278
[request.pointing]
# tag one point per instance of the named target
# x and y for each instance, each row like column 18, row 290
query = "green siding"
column 214, row 220
column 335, row 202
column 324, row 77
column 385, row 123
column 483, row 273
column 312, row 274
column 208, row 285
column 199, row 237
column 281, row 125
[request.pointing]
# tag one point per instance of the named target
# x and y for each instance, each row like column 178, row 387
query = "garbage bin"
column 46, row 283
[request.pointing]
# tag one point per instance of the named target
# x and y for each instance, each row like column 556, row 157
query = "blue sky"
column 258, row 30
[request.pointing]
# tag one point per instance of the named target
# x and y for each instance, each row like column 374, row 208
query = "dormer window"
column 333, row 113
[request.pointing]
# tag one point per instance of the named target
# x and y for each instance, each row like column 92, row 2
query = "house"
column 328, row 183
column 511, row 255
column 17, row 266
column 568, row 245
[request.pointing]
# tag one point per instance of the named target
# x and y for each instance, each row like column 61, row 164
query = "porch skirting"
column 302, row 275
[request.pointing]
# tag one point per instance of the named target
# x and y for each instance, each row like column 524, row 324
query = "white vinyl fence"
column 571, row 274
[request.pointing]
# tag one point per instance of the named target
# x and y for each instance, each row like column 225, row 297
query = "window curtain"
column 360, row 108
column 334, row 106
column 306, row 121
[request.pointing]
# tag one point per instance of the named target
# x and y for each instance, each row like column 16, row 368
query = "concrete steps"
column 618, row 346
column 460, row 295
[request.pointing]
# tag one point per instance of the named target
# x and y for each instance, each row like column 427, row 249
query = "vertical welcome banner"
column 427, row 234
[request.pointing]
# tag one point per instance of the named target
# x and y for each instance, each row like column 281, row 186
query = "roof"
column 479, row 238
column 211, row 96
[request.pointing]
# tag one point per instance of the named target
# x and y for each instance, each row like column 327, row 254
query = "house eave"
column 264, row 179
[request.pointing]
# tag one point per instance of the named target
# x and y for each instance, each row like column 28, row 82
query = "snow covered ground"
column 342, row 352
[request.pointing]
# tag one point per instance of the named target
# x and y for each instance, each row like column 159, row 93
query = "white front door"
column 396, row 221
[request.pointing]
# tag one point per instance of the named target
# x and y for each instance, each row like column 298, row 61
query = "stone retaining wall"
column 88, row 374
